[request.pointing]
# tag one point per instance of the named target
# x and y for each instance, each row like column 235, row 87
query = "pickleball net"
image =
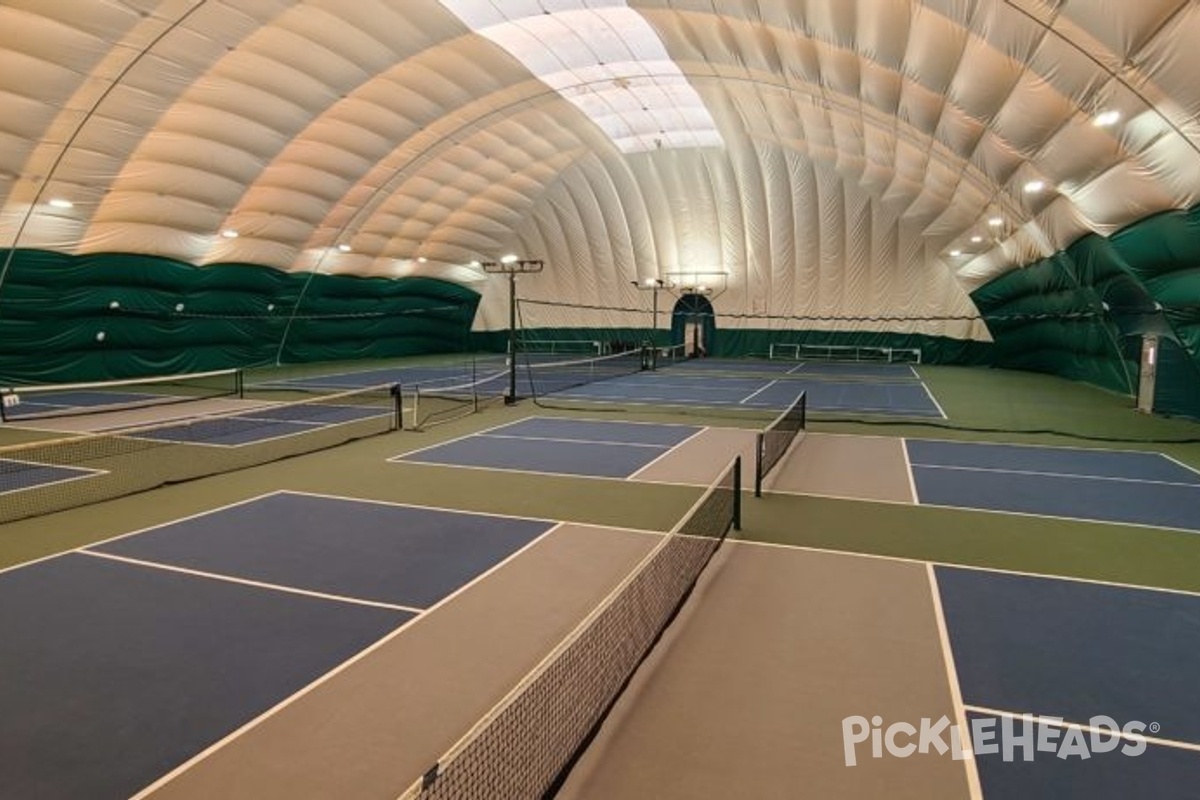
column 773, row 441
column 526, row 744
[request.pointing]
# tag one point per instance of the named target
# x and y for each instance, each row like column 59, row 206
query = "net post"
column 239, row 384
column 737, row 493
column 758, row 462
column 397, row 405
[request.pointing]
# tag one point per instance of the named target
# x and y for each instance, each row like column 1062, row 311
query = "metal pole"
column 654, row 331
column 512, row 339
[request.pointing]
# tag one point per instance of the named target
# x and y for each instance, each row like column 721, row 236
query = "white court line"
column 518, row 471
column 971, row 567
column 201, row 756
column 1174, row 460
column 908, row 469
column 464, row 437
column 573, row 441
column 1054, row 722
column 933, row 399
column 752, row 395
column 1036, row 446
column 127, row 534
column 633, row 475
column 274, row 587
column 960, row 715
column 1070, row 475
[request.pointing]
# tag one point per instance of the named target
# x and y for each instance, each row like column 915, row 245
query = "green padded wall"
column 53, row 306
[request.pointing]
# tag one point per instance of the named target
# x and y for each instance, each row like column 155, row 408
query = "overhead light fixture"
column 476, row 264
column 955, row 253
column 996, row 222
column 1106, row 119
column 509, row 259
column 976, row 239
column 1033, row 187
column 61, row 202
column 422, row 260
column 345, row 248
column 607, row 61
column 229, row 233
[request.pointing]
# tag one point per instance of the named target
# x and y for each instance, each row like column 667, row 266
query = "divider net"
column 772, row 442
column 526, row 744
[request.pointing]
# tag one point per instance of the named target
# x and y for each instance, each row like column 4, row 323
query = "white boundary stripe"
column 254, row 723
column 932, row 399
column 1069, row 475
column 275, row 587
column 633, row 475
column 757, row 392
column 537, row 473
column 1054, row 722
column 600, row 421
column 972, row 568
column 960, row 714
column 908, row 469
column 574, row 441
column 976, row 510
column 501, row 426
column 1175, row 460
column 1059, row 447
column 146, row 529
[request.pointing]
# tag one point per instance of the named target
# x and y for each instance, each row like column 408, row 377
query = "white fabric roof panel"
column 823, row 157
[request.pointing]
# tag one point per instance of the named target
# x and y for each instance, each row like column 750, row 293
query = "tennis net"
column 52, row 475
column 556, row 377
column 525, row 745
column 72, row 399
column 435, row 404
column 772, row 442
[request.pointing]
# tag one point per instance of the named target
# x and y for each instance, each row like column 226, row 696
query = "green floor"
column 982, row 404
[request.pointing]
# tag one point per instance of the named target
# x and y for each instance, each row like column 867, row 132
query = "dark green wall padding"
column 53, row 305
column 1081, row 313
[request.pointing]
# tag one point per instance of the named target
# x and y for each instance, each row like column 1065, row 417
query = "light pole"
column 652, row 285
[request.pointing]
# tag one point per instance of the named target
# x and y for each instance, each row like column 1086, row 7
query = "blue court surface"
column 683, row 386
column 59, row 402
column 17, row 475
column 125, row 659
column 833, row 369
column 1129, row 487
column 596, row 448
column 261, row 424
column 1078, row 652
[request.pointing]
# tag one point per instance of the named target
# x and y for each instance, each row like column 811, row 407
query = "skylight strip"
column 607, row 62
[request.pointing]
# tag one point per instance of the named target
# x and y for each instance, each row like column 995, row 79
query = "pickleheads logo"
column 1006, row 736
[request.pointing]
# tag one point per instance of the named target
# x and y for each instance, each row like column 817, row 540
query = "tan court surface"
column 746, row 695
column 853, row 467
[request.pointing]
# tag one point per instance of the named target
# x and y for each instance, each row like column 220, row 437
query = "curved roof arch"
column 867, row 146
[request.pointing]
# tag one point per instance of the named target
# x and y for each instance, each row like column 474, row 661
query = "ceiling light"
column 955, row 253
column 1106, row 119
column 976, row 239
column 229, row 233
column 422, row 260
column 509, row 259
column 61, row 202
column 345, row 248
column 1033, row 187
column 476, row 264
column 996, row 222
